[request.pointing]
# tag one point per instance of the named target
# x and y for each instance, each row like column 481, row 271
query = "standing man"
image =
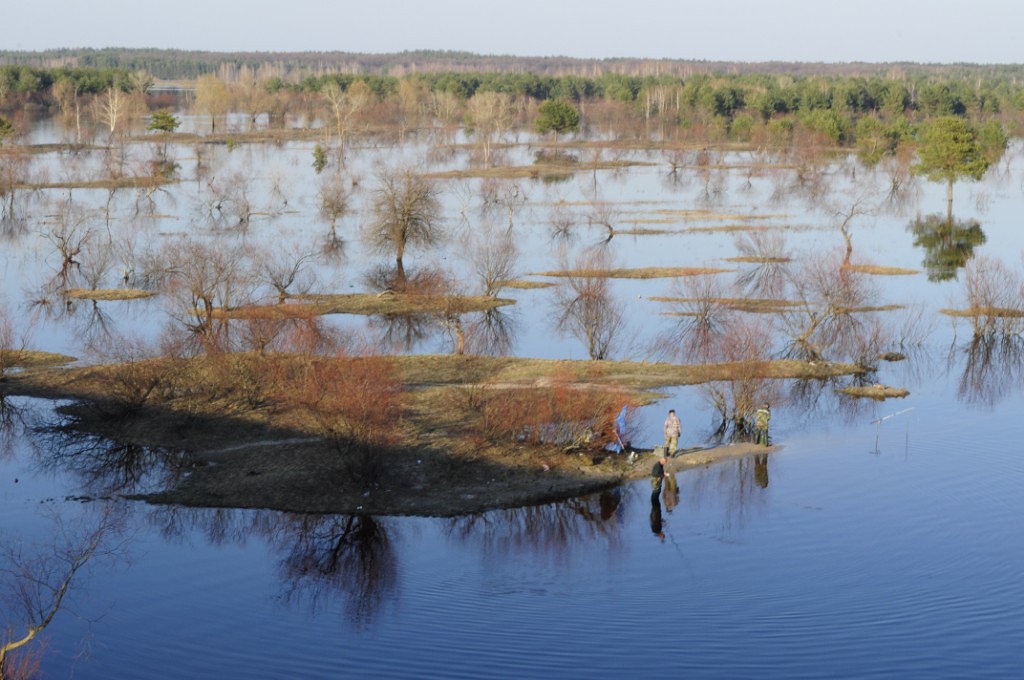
column 762, row 417
column 673, row 428
column 658, row 475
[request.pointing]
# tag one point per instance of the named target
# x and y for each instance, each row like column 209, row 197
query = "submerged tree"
column 557, row 115
column 994, row 297
column 212, row 98
column 165, row 123
column 829, row 317
column 587, row 310
column 406, row 211
column 335, row 200
column 6, row 129
column 950, row 151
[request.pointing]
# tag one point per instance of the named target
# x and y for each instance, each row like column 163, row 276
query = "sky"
column 920, row 31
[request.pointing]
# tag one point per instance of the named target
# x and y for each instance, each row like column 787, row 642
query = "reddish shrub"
column 562, row 414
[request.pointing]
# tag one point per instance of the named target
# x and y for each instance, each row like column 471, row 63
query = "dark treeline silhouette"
column 171, row 63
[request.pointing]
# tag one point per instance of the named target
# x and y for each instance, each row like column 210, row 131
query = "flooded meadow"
column 880, row 537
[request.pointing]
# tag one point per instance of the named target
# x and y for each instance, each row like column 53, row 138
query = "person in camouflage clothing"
column 762, row 417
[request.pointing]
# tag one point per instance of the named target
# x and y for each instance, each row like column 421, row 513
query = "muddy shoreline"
column 305, row 478
column 227, row 454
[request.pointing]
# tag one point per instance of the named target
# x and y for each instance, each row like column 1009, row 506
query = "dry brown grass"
column 753, row 305
column 109, row 293
column 523, row 284
column 999, row 312
column 726, row 228
column 877, row 392
column 640, row 231
column 631, row 375
column 637, row 273
column 367, row 303
column 24, row 358
column 758, row 260
column 538, row 170
column 879, row 270
column 707, row 215
column 108, row 183
column 270, row 455
column 870, row 308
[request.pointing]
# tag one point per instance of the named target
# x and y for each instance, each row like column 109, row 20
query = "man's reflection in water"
column 609, row 502
column 671, row 492
column 761, row 470
column 657, row 525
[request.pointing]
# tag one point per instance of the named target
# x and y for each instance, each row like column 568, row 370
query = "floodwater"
column 881, row 540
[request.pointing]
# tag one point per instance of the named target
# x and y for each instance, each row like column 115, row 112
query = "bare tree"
column 212, row 98
column 413, row 101
column 562, row 220
column 113, row 108
column 490, row 114
column 586, row 308
column 994, row 296
column 829, row 318
column 406, row 211
column 703, row 319
column 15, row 167
column 445, row 106
column 203, row 280
column 335, row 201
column 604, row 214
column 97, row 261
column 251, row 95
column 140, row 82
column 13, row 341
column 69, row 235
column 37, row 578
column 228, row 201
column 493, row 255
column 862, row 203
column 286, row 268
column 745, row 342
column 346, row 104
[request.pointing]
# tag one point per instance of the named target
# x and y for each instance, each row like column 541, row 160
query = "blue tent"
column 620, row 431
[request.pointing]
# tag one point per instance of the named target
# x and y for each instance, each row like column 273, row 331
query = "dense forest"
column 873, row 107
column 175, row 64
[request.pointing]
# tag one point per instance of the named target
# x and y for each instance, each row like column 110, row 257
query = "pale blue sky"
column 979, row 31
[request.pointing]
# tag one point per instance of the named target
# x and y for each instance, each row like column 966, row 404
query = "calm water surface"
column 881, row 540
column 873, row 550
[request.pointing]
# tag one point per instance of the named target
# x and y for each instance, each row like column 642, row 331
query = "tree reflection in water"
column 403, row 332
column 13, row 422
column 993, row 367
column 550, row 529
column 819, row 399
column 37, row 574
column 948, row 244
column 324, row 555
column 491, row 332
column 321, row 557
column 106, row 466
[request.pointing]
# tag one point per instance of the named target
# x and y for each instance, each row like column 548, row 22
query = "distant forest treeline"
column 876, row 105
column 294, row 66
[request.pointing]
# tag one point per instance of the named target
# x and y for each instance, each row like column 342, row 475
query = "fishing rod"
column 878, row 427
column 891, row 415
